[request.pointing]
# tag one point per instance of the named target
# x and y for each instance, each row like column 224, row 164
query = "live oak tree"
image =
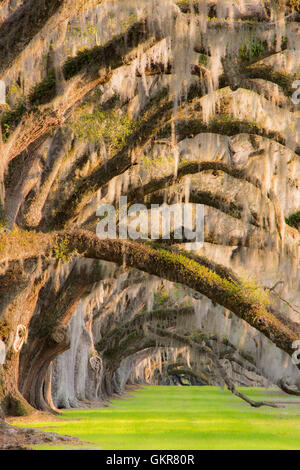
column 161, row 102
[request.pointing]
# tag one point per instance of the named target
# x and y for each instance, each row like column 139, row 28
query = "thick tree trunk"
column 106, row 387
column 11, row 400
column 34, row 367
column 49, row 335
column 17, row 305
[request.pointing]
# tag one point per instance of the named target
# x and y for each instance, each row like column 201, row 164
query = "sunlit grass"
column 184, row 418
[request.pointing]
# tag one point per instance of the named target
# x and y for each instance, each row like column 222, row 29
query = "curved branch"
column 285, row 388
column 20, row 27
column 84, row 77
column 219, row 368
column 160, row 110
column 175, row 266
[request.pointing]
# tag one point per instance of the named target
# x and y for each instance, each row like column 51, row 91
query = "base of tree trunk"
column 14, row 404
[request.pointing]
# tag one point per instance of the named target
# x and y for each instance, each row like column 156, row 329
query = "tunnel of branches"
column 163, row 102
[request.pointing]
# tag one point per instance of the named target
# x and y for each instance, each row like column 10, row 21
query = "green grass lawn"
column 184, row 418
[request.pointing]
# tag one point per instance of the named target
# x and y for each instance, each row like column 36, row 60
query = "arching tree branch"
column 166, row 263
